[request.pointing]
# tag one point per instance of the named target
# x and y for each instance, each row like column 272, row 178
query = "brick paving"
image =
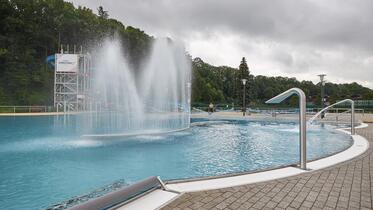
column 343, row 186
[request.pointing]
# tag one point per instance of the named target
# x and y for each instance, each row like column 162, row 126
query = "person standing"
column 211, row 108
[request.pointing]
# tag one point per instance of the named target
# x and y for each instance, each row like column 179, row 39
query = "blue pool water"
column 43, row 161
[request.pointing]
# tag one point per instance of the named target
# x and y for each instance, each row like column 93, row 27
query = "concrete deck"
column 31, row 114
column 348, row 185
column 367, row 118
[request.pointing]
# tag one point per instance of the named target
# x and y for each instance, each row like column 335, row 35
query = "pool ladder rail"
column 302, row 120
column 339, row 102
column 123, row 196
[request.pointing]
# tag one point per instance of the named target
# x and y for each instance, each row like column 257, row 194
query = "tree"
column 31, row 30
column 243, row 73
column 268, row 93
column 244, row 69
column 102, row 13
column 209, row 82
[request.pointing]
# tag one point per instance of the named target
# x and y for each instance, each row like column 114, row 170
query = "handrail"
column 196, row 109
column 340, row 102
column 302, row 120
column 29, row 108
column 122, row 195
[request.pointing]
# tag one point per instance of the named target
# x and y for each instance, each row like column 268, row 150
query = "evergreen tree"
column 223, row 85
column 33, row 29
column 244, row 69
column 243, row 73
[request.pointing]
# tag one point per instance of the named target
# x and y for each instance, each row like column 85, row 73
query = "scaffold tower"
column 72, row 82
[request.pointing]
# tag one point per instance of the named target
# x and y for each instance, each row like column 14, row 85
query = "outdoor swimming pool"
column 44, row 162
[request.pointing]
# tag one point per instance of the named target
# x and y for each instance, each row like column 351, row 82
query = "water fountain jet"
column 156, row 100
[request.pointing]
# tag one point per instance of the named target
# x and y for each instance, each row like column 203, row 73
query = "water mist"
column 156, row 100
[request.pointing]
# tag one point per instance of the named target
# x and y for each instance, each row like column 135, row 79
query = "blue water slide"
column 51, row 60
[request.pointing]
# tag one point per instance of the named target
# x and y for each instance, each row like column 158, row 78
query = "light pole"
column 244, row 97
column 322, row 83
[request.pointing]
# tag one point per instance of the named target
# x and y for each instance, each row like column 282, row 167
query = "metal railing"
column 340, row 102
column 302, row 120
column 23, row 109
column 123, row 195
column 340, row 110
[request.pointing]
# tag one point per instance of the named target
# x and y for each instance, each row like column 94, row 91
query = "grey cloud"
column 315, row 32
column 319, row 22
column 284, row 58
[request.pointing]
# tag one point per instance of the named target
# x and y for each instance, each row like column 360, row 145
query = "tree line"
column 33, row 29
column 223, row 85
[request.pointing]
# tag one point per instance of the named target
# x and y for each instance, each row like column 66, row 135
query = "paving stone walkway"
column 346, row 185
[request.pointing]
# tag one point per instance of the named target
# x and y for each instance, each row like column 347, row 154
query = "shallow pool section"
column 44, row 160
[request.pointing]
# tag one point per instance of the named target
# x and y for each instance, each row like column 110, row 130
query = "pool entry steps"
column 122, row 196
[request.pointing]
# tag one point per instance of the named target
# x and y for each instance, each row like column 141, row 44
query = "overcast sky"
column 278, row 38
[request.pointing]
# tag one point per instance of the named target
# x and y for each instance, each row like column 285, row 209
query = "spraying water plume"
column 156, row 100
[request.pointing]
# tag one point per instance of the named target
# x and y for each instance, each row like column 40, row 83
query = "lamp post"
column 322, row 83
column 244, row 97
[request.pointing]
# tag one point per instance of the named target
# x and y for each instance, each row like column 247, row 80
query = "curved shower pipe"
column 339, row 102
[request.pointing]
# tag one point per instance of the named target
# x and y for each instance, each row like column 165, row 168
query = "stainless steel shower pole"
column 302, row 121
column 302, row 129
column 352, row 117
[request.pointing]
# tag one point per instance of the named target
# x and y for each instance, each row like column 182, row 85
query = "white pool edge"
column 156, row 199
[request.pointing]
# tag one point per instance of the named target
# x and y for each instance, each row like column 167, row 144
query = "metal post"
column 244, row 100
column 302, row 121
column 322, row 100
column 322, row 83
column 244, row 97
column 55, row 81
column 352, row 117
column 302, row 129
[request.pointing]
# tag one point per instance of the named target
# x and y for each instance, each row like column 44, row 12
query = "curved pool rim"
column 249, row 172
column 360, row 144
column 245, row 172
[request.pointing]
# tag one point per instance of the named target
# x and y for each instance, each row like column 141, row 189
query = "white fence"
column 23, row 109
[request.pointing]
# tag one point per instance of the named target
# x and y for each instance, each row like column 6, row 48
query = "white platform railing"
column 23, row 109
